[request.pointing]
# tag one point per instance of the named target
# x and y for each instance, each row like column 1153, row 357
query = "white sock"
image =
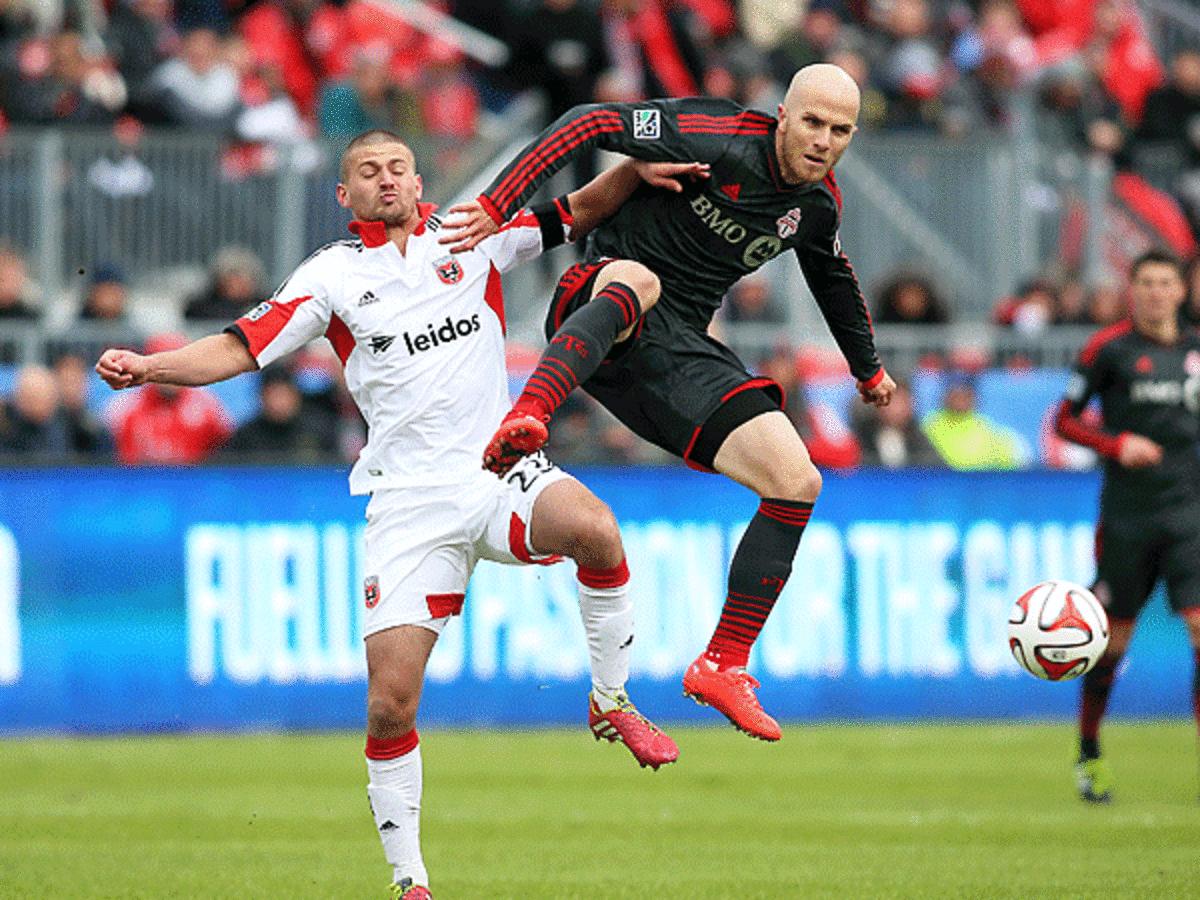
column 607, row 614
column 395, row 794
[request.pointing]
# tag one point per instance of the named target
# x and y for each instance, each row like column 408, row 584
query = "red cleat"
column 519, row 434
column 730, row 692
column 649, row 746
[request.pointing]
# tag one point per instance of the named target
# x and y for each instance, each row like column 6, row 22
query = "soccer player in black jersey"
column 630, row 323
column 1146, row 372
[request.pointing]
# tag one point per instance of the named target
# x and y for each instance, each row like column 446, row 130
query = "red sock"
column 391, row 748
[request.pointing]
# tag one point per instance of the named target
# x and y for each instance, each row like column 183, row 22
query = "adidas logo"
column 388, row 825
column 380, row 342
column 367, row 299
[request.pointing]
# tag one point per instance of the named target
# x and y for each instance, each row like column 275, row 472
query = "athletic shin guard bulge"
column 394, row 767
column 760, row 569
column 578, row 348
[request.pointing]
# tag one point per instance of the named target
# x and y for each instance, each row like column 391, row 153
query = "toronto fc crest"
column 448, row 270
column 789, row 223
column 371, row 591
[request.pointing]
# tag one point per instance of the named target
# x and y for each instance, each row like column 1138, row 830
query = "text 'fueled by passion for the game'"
column 283, row 602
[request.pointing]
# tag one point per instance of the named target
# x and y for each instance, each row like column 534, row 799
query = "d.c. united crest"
column 448, row 270
column 371, row 591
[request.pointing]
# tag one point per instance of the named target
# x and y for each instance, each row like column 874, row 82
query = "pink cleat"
column 649, row 745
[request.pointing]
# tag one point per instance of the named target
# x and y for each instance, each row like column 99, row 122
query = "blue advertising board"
column 231, row 598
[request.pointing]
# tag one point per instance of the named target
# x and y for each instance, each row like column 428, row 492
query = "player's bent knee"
column 595, row 539
column 392, row 713
column 644, row 282
column 802, row 483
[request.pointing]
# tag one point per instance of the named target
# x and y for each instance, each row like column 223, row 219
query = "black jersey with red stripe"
column 699, row 242
column 1146, row 388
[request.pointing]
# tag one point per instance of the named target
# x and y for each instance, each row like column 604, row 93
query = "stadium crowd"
column 263, row 72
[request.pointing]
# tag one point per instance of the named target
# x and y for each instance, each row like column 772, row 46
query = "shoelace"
column 748, row 683
column 625, row 705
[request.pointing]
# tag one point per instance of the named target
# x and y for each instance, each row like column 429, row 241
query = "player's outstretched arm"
column 601, row 197
column 210, row 359
column 468, row 224
column 675, row 130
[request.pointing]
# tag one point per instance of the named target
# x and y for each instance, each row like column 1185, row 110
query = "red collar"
column 374, row 234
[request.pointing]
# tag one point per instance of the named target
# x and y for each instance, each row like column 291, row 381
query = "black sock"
column 1097, row 685
column 578, row 348
column 760, row 568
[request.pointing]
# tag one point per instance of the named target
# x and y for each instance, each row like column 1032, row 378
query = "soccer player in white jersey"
column 421, row 336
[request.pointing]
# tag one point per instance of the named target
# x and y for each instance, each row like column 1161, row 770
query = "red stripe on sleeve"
column 265, row 327
column 546, row 153
column 1074, row 429
column 1091, row 349
column 874, row 380
column 341, row 338
column 490, row 208
column 549, row 142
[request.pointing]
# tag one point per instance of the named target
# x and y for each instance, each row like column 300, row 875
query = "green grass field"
column 847, row 812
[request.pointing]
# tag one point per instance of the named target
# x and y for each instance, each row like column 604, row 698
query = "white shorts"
column 423, row 545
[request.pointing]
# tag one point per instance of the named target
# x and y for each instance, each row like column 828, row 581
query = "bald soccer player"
column 656, row 273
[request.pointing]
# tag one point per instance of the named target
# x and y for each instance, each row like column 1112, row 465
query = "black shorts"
column 669, row 383
column 1133, row 552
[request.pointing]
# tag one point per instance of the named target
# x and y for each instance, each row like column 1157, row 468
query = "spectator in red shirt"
column 164, row 425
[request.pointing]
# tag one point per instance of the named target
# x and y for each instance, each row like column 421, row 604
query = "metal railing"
column 964, row 212
column 72, row 200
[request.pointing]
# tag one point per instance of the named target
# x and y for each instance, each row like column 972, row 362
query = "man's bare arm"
column 598, row 199
column 601, row 197
column 210, row 359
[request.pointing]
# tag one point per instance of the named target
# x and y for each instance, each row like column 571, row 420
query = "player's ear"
column 343, row 196
column 420, row 185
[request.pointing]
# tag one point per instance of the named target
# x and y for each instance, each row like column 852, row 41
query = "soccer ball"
column 1057, row 630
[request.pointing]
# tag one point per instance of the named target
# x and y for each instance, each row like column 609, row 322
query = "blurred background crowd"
column 1073, row 86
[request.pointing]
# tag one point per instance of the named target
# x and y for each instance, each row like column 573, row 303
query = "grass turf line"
column 831, row 811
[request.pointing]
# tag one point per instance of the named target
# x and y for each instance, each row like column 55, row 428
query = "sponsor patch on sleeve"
column 259, row 311
column 646, row 125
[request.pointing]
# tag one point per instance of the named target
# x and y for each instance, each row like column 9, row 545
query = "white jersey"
column 421, row 336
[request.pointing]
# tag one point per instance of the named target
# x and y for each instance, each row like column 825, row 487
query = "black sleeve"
column 1091, row 377
column 835, row 288
column 692, row 129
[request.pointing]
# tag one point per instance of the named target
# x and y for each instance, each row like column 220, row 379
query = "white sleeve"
column 527, row 234
column 299, row 312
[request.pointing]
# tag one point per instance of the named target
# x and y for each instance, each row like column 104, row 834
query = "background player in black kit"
column 1146, row 372
column 642, row 302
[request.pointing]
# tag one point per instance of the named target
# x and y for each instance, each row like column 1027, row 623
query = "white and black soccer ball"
column 1057, row 630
